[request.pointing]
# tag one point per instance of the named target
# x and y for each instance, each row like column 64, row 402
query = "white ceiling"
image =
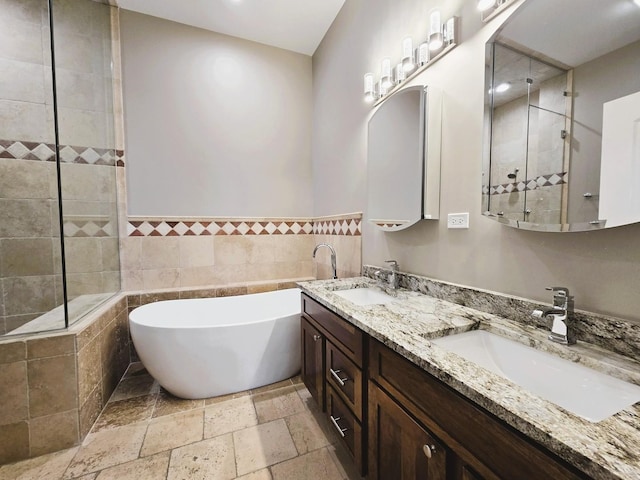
column 297, row 25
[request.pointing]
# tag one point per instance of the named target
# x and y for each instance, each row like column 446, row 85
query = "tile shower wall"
column 181, row 253
column 53, row 388
column 30, row 261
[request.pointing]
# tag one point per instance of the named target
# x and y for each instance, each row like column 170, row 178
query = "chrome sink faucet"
column 560, row 332
column 333, row 257
column 392, row 280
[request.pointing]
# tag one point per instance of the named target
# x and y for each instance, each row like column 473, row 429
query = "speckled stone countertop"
column 609, row 449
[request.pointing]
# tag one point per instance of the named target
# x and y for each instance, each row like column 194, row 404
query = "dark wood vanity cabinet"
column 401, row 423
column 477, row 444
column 333, row 372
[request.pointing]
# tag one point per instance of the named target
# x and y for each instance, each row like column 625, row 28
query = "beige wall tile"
column 53, row 432
column 160, row 252
column 26, row 295
column 231, row 250
column 25, row 218
column 13, row 351
column 84, row 284
column 83, row 254
column 14, row 442
column 199, row 276
column 25, row 121
column 89, row 370
column 161, row 278
column 35, row 179
column 22, row 81
column 90, row 410
column 110, row 255
column 196, row 251
column 14, row 403
column 131, row 253
column 291, row 248
column 51, row 346
column 52, row 385
column 213, row 458
column 132, row 280
column 94, row 183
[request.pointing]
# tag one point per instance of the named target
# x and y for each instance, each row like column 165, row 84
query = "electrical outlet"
column 458, row 220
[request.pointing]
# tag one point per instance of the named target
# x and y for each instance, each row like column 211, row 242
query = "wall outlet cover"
column 458, row 220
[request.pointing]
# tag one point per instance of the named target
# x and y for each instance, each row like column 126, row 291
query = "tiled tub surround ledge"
column 53, row 385
column 604, row 450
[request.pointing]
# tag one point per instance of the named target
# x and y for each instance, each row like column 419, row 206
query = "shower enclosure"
column 58, row 160
column 530, row 125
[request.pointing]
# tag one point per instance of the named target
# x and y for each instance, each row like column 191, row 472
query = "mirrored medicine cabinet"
column 403, row 159
column 562, row 116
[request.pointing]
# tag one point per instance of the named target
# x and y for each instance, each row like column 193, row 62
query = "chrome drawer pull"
column 335, row 373
column 428, row 450
column 317, row 337
column 338, row 427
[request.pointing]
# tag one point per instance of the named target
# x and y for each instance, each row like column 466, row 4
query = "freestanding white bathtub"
column 214, row 346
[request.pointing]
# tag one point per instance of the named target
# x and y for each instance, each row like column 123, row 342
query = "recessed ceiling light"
column 503, row 87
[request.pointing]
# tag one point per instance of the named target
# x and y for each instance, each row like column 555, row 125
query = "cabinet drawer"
column 350, row 337
column 345, row 425
column 346, row 379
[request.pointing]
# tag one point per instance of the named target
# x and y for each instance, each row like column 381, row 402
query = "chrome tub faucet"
column 559, row 313
column 333, row 257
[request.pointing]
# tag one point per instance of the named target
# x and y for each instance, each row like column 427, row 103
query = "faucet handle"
column 561, row 291
column 394, row 264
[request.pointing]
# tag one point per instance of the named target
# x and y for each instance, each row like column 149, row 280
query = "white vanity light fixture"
column 408, row 59
column 436, row 40
column 637, row 2
column 386, row 81
column 490, row 8
column 369, row 90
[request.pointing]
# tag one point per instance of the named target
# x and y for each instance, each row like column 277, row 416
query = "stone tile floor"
column 271, row 433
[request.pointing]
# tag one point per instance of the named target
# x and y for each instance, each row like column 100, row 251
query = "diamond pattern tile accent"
column 531, row 184
column 88, row 228
column 24, row 150
column 166, row 228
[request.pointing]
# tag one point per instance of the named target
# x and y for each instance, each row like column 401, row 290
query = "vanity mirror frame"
column 581, row 207
column 403, row 159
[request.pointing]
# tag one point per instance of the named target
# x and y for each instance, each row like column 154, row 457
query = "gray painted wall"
column 215, row 125
column 602, row 269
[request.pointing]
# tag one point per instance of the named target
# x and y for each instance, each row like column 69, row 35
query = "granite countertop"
column 609, row 449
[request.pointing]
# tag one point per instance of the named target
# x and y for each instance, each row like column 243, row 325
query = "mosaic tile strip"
column 541, row 181
column 162, row 228
column 89, row 228
column 348, row 226
column 46, row 152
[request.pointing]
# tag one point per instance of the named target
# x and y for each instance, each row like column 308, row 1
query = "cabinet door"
column 400, row 448
column 313, row 361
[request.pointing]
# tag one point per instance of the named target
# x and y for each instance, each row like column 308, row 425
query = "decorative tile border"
column 347, row 226
column 541, row 181
column 155, row 227
column 177, row 228
column 46, row 152
column 89, row 228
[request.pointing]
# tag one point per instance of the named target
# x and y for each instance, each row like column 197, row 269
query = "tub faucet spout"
column 333, row 257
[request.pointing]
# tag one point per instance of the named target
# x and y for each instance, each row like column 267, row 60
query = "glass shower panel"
column 82, row 39
column 546, row 174
column 31, row 285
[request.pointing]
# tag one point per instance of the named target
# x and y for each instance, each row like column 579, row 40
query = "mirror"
column 403, row 159
column 562, row 116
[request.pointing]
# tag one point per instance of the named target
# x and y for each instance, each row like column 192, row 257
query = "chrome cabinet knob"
column 317, row 337
column 428, row 450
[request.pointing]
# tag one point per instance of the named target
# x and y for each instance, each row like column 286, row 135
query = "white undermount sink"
column 578, row 389
column 365, row 296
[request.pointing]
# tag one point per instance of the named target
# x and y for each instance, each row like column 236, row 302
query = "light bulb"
column 369, row 94
column 399, row 74
column 435, row 31
column 423, row 53
column 408, row 63
column 385, row 74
